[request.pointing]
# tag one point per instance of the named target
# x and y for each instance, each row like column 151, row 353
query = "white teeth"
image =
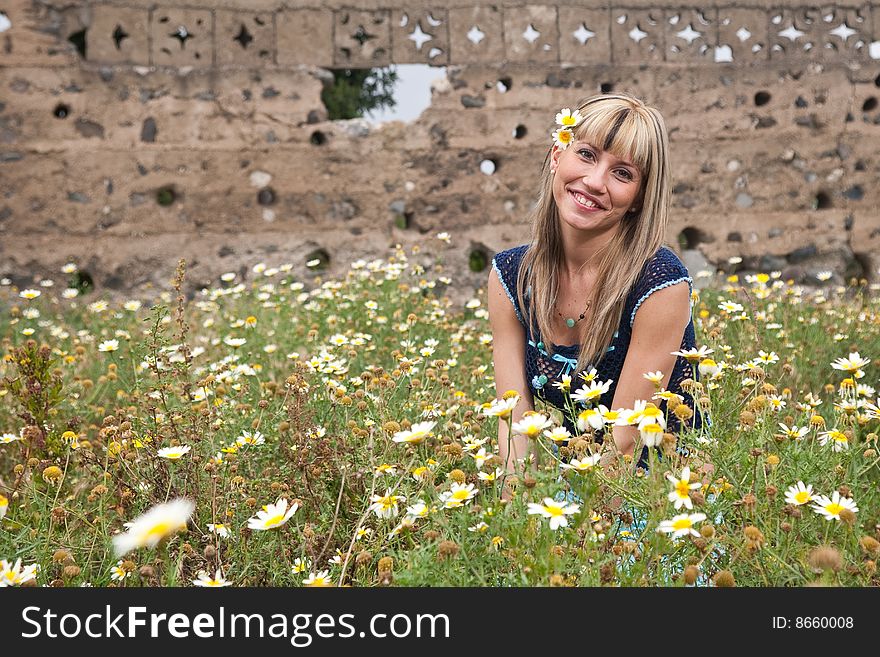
column 583, row 200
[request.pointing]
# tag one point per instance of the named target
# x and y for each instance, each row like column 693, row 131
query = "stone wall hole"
column 61, row 111
column 822, row 201
column 166, row 196
column 762, row 98
column 478, row 259
column 78, row 39
column 690, row 238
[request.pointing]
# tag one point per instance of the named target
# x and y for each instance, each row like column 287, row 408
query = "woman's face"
column 592, row 188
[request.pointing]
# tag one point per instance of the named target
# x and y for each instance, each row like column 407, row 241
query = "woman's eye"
column 585, row 152
column 626, row 174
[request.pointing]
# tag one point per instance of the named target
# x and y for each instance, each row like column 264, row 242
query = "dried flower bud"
column 724, row 579
column 825, row 558
column 386, row 564
column 71, row 571
column 447, row 549
column 458, row 476
column 690, row 575
column 870, row 544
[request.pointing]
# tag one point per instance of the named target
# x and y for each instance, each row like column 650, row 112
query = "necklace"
column 570, row 321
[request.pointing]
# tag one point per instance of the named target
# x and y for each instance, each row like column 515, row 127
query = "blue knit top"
column 542, row 370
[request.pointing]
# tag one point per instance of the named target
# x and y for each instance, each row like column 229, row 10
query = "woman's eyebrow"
column 624, row 162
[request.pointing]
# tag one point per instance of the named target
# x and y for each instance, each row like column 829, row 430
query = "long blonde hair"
column 627, row 128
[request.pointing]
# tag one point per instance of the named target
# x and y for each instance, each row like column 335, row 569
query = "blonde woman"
column 594, row 287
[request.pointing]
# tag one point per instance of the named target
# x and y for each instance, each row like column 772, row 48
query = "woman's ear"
column 554, row 156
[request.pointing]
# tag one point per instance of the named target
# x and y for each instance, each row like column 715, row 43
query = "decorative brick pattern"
column 420, row 37
column 584, row 35
column 119, row 35
column 362, row 38
column 182, row 37
column 531, row 34
column 475, row 35
column 637, row 35
column 244, row 38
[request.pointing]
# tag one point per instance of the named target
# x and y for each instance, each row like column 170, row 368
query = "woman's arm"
column 508, row 357
column 657, row 331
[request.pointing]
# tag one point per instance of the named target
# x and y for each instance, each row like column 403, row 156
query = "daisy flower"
column 532, row 424
column 501, row 408
column 593, row 390
column 151, row 527
column 693, row 355
column 562, row 137
column 554, row 510
column 300, row 565
column 4, row 505
column 273, row 515
column 681, row 525
column 793, row 431
column 321, row 578
column 203, row 579
column 582, row 465
column 651, row 434
column 458, row 495
column 831, row 507
column 219, row 528
column 16, row 575
column 838, row 440
column 7, row 438
column 854, row 363
column 386, row 506
column 173, row 453
column 251, row 439
column 681, row 488
column 567, row 118
column 109, row 345
column 592, row 418
column 708, row 367
column 564, row 384
column 654, row 377
column 558, row 434
column 416, row 433
column 799, row 494
column 118, row 573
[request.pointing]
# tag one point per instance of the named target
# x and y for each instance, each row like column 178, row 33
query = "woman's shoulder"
column 511, row 255
column 663, row 266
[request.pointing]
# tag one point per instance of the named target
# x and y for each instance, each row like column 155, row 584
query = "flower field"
column 283, row 432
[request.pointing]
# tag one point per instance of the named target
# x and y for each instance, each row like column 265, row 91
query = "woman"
column 594, row 287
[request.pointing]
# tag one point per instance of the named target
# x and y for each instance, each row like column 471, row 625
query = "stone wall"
column 133, row 133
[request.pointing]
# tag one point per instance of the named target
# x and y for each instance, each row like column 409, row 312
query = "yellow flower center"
column 462, row 494
column 682, row 488
column 553, row 511
column 564, row 135
column 568, row 120
column 834, row 509
column 159, row 530
column 802, row 497
column 682, row 523
column 274, row 521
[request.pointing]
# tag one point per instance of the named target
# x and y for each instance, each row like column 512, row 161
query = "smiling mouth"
column 584, row 202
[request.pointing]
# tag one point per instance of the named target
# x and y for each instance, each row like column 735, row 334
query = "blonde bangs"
column 625, row 128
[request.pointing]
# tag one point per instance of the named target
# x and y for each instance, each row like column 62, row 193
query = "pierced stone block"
column 362, row 38
column 119, row 35
column 584, row 35
column 420, row 37
column 475, row 35
column 182, row 37
column 636, row 35
column 243, row 38
column 846, row 33
column 691, row 34
column 742, row 36
column 531, row 34
column 305, row 36
column 795, row 33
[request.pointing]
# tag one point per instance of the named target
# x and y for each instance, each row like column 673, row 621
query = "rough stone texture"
column 773, row 145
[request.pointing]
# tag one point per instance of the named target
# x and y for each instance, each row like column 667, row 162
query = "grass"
column 296, row 389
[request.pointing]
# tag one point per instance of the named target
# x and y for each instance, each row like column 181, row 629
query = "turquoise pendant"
column 540, row 345
column 542, row 379
column 569, row 322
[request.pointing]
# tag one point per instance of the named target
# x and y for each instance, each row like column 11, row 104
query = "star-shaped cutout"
column 843, row 30
column 791, row 33
column 118, row 35
column 689, row 34
column 419, row 37
column 182, row 34
column 475, row 35
column 743, row 34
column 531, row 34
column 636, row 34
column 582, row 34
column 244, row 37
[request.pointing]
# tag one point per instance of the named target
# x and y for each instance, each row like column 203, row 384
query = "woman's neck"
column 581, row 252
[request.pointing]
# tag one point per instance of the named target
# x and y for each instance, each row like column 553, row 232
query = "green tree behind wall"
column 356, row 91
